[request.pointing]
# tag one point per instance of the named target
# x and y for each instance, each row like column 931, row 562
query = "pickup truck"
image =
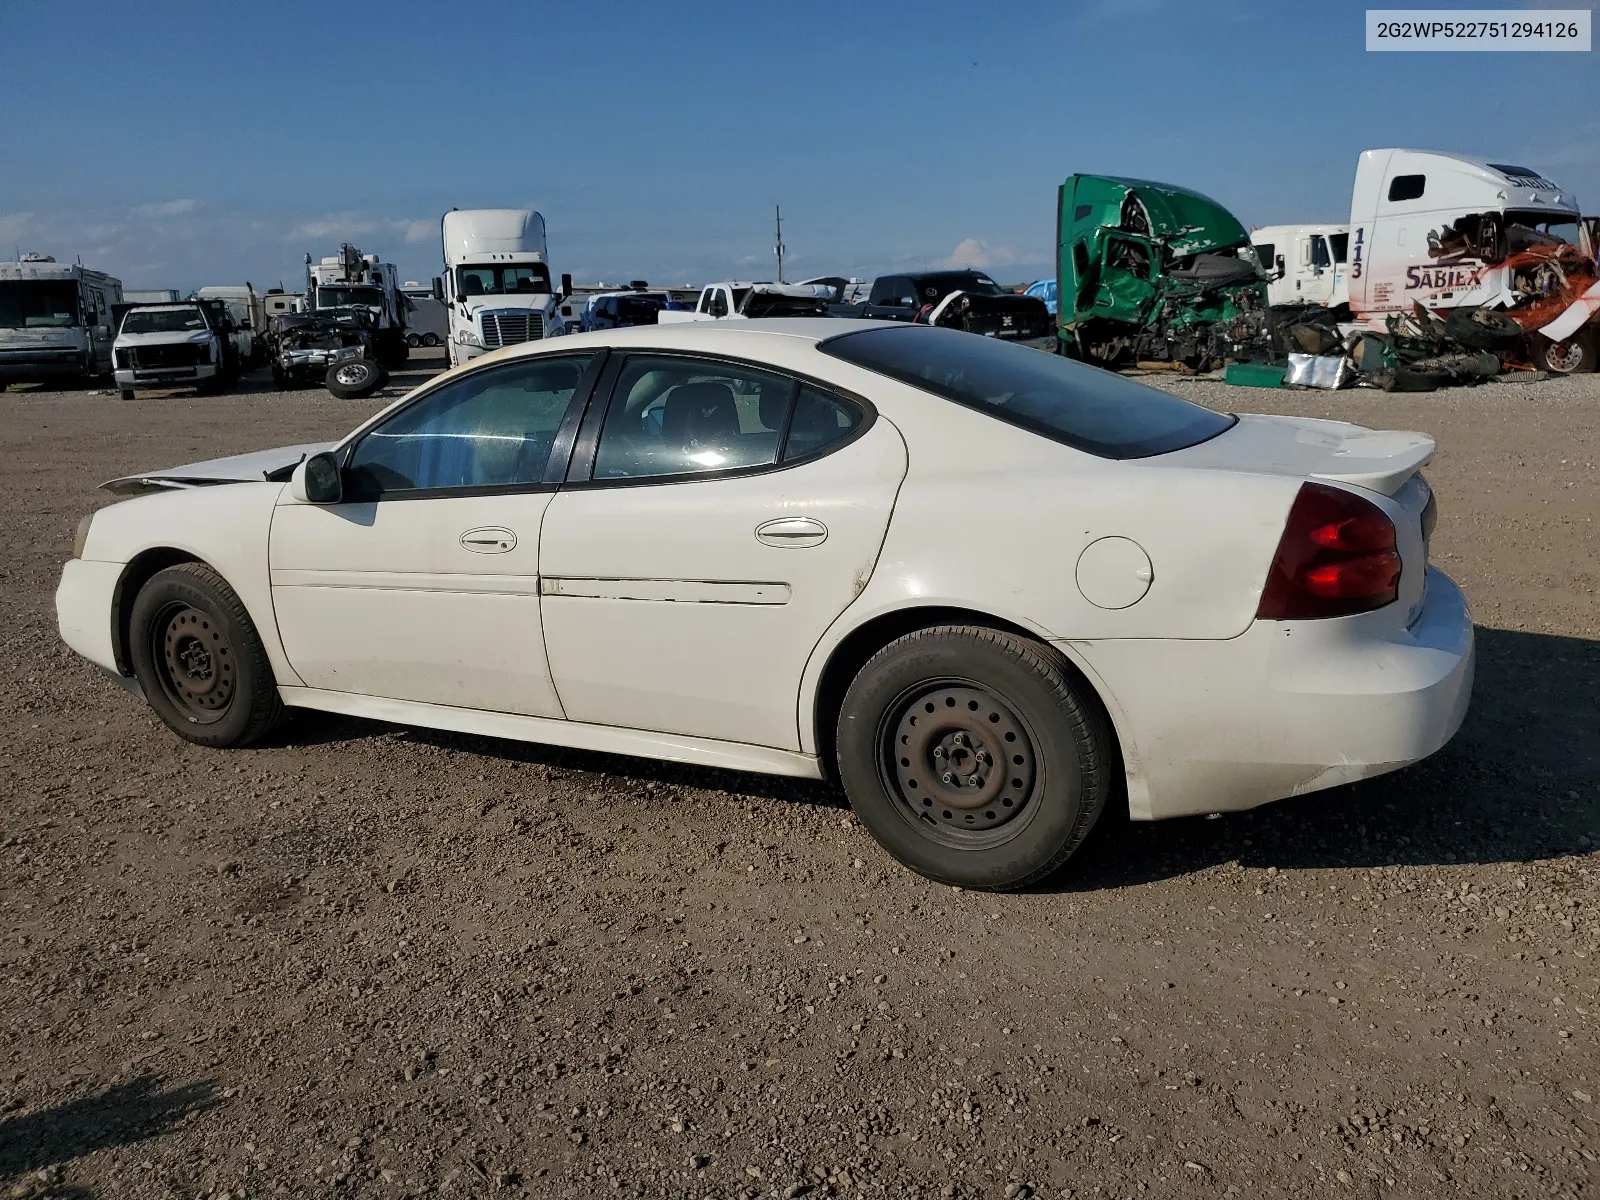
column 967, row 300
column 740, row 300
column 191, row 343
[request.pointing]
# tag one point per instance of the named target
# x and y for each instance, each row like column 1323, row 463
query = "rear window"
column 1069, row 402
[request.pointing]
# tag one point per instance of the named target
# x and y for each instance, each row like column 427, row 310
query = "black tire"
column 356, row 379
column 909, row 708
column 430, row 340
column 1482, row 328
column 127, row 393
column 199, row 659
column 1575, row 356
column 413, row 340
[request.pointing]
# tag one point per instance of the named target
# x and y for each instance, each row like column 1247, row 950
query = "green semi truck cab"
column 1151, row 271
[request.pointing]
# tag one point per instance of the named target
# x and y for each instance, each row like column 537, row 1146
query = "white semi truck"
column 351, row 279
column 496, row 287
column 1498, row 245
column 55, row 320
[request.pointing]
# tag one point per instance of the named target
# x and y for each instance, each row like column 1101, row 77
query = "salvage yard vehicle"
column 1153, row 272
column 496, row 286
column 1308, row 265
column 752, row 546
column 353, row 280
column 750, row 300
column 967, row 300
column 331, row 347
column 173, row 345
column 1497, row 246
column 55, row 320
column 619, row 310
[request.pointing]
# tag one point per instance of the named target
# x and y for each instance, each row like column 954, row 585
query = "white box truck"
column 55, row 320
column 496, row 287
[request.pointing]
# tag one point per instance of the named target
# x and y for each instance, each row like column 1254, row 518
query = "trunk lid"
column 1379, row 460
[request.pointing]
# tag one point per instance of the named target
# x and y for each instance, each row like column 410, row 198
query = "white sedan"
column 989, row 590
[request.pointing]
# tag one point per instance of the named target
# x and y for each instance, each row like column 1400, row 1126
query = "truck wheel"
column 430, row 340
column 413, row 340
column 199, row 659
column 355, row 380
column 1482, row 328
column 1575, row 356
column 973, row 757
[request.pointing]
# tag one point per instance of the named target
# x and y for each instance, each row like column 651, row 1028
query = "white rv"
column 1448, row 231
column 1308, row 263
column 55, row 320
column 496, row 287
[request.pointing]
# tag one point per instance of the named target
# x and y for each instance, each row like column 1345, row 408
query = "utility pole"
column 779, row 246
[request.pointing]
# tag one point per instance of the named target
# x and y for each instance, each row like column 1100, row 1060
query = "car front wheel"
column 973, row 756
column 199, row 659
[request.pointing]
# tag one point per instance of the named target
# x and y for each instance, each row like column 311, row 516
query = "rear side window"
column 819, row 421
column 1081, row 406
column 1407, row 187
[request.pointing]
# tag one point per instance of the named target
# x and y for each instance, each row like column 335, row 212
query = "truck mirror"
column 438, row 289
column 566, row 286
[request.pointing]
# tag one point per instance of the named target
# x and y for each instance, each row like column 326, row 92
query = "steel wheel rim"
column 1565, row 357
column 960, row 763
column 195, row 662
column 352, row 374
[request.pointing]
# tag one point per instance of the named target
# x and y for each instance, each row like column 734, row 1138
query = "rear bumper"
column 1287, row 707
column 85, row 603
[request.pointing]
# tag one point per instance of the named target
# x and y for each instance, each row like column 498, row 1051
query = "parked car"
column 334, row 347
column 1044, row 289
column 623, row 309
column 739, row 300
column 966, row 300
column 193, row 342
column 990, row 590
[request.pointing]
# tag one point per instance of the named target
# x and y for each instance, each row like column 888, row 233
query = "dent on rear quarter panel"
column 225, row 526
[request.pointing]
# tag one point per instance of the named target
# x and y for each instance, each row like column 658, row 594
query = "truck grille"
column 509, row 328
column 156, row 358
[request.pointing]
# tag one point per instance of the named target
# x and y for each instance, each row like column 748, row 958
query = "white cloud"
column 345, row 225
column 167, row 208
column 974, row 252
column 417, row 231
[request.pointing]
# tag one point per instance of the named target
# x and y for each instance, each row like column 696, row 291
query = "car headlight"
column 81, row 538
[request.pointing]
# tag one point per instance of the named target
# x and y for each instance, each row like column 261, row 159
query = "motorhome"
column 496, row 288
column 55, row 320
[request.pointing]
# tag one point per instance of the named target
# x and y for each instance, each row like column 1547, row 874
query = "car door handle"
column 790, row 532
column 489, row 539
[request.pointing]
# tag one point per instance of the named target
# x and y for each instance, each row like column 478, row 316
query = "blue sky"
column 179, row 144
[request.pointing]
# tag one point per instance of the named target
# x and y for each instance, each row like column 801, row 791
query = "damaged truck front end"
column 1152, row 272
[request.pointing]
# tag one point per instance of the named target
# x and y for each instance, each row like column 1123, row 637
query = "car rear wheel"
column 199, row 659
column 973, row 756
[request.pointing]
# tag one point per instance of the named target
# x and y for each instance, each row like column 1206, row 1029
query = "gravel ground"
column 365, row 960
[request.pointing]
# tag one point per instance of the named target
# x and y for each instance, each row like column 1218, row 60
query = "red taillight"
column 1336, row 557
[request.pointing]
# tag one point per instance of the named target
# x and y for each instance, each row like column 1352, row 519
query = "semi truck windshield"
column 491, row 280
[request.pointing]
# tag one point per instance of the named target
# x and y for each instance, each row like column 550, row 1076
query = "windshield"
column 331, row 296
column 30, row 303
column 1563, row 227
column 936, row 287
column 488, row 280
column 163, row 320
column 1069, row 402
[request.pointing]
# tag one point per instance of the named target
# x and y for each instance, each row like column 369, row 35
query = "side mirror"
column 316, row 480
column 566, row 286
column 438, row 289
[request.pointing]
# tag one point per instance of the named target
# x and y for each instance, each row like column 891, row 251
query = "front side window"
column 1069, row 402
column 492, row 428
column 330, row 296
column 719, row 303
